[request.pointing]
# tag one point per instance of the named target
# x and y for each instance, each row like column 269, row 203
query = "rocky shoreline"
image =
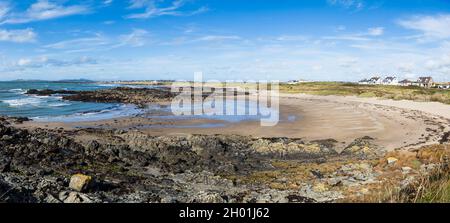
column 137, row 96
column 113, row 166
column 116, row 165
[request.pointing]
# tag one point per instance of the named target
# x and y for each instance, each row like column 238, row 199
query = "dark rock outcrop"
column 130, row 166
column 48, row 92
column 137, row 96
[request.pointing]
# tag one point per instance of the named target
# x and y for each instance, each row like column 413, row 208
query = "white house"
column 444, row 86
column 406, row 82
column 390, row 81
column 375, row 80
column 293, row 82
column 364, row 82
column 426, row 82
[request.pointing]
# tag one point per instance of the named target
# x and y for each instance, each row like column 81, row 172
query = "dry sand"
column 393, row 124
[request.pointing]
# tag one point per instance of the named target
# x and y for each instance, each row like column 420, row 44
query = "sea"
column 16, row 103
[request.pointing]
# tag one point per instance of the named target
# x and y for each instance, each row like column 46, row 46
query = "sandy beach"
column 393, row 124
column 324, row 149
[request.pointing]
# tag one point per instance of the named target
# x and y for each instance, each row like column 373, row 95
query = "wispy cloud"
column 44, row 61
column 153, row 9
column 137, row 38
column 436, row 27
column 218, row 38
column 292, row 38
column 368, row 35
column 4, row 10
column 348, row 4
column 80, row 43
column 18, row 35
column 43, row 10
column 100, row 42
column 441, row 64
column 108, row 2
column 347, row 38
column 376, row 31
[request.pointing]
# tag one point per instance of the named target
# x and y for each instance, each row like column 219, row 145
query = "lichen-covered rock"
column 391, row 160
column 80, row 182
column 291, row 149
column 207, row 197
column 75, row 198
column 363, row 148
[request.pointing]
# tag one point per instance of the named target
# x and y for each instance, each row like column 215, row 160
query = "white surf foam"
column 32, row 101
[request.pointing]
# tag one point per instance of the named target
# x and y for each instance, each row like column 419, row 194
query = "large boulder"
column 80, row 182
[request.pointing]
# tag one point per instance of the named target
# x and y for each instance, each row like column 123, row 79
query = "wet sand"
column 393, row 124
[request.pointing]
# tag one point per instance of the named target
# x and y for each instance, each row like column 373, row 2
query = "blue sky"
column 224, row 39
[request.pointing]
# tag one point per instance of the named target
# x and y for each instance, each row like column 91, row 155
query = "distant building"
column 293, row 82
column 364, row 82
column 406, row 82
column 375, row 80
column 390, row 81
column 298, row 81
column 445, row 86
column 426, row 82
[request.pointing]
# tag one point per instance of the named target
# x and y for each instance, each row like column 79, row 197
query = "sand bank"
column 393, row 124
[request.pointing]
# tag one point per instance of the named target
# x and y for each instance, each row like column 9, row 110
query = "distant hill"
column 27, row 80
column 58, row 81
column 75, row 81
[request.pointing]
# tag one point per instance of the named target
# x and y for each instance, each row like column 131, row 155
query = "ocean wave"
column 58, row 104
column 109, row 85
column 113, row 112
column 17, row 91
column 33, row 101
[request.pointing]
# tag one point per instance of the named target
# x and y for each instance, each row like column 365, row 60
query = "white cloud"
column 109, row 22
column 100, row 42
column 439, row 64
column 24, row 62
column 18, row 35
column 152, row 9
column 406, row 67
column 349, row 4
column 376, row 31
column 44, row 10
column 340, row 28
column 107, row 2
column 44, row 61
column 4, row 10
column 201, row 10
column 218, row 38
column 136, row 4
column 137, row 38
column 80, row 43
column 358, row 37
column 292, row 38
column 432, row 27
column 347, row 62
column 347, row 38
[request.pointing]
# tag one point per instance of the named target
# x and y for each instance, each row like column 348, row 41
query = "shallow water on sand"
column 14, row 102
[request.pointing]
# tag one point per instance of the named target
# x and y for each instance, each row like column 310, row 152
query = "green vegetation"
column 436, row 192
column 433, row 187
column 381, row 91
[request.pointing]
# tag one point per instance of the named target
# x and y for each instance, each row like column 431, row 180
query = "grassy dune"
column 339, row 88
column 388, row 92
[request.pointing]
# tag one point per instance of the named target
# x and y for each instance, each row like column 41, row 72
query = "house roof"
column 390, row 78
column 406, row 81
column 425, row 80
